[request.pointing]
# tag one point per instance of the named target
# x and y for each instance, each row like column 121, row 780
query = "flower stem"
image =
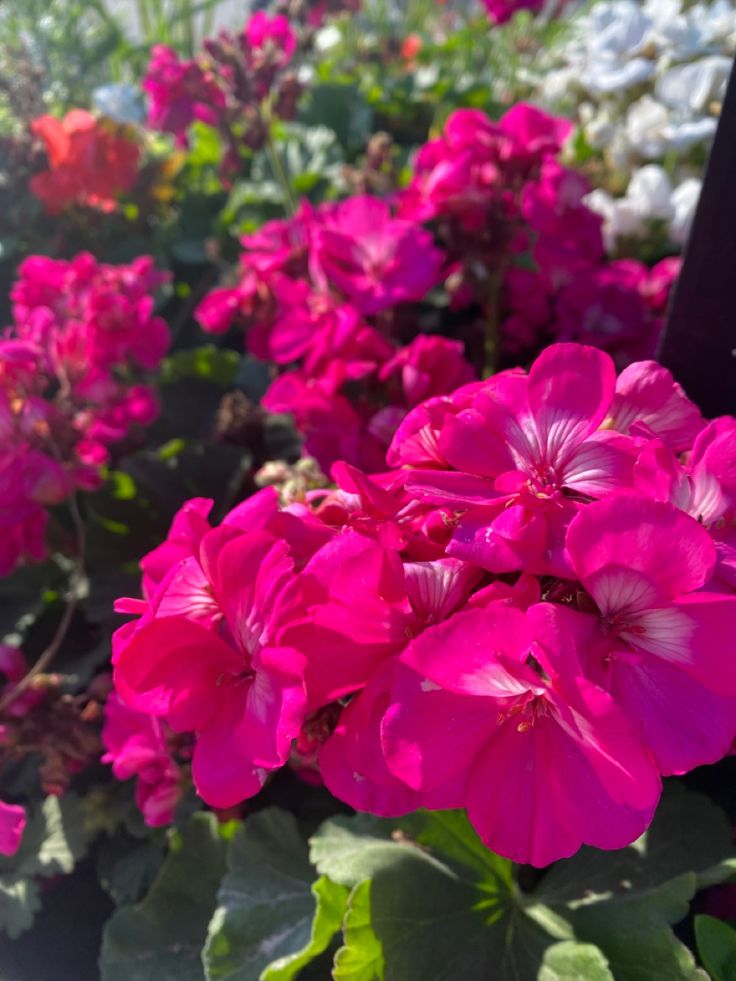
column 280, row 174
column 76, row 580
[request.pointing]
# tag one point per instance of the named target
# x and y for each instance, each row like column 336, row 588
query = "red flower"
column 90, row 163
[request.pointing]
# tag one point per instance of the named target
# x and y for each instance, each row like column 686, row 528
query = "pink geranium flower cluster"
column 529, row 616
column 527, row 252
column 79, row 328
column 329, row 291
column 501, row 11
column 337, row 296
column 225, row 85
column 142, row 746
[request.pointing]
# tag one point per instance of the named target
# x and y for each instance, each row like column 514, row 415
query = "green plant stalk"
column 290, row 203
column 76, row 581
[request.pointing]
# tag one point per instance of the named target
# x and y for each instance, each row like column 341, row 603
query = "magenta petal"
column 684, row 724
column 273, row 709
column 411, row 728
column 571, row 388
column 469, row 444
column 170, row 668
column 449, row 487
column 12, row 826
column 602, row 464
column 609, row 741
column 254, row 573
column 466, row 653
column 222, row 777
column 653, row 540
column 535, row 797
column 437, row 588
column 510, row 802
column 692, row 633
column 352, row 763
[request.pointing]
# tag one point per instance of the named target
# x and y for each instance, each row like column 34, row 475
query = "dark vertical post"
column 699, row 341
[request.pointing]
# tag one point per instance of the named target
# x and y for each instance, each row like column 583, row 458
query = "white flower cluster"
column 646, row 81
column 649, row 197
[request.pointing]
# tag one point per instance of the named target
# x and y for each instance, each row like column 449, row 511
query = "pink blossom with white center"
column 548, row 760
column 526, row 453
column 660, row 648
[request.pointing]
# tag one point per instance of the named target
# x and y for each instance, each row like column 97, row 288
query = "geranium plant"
column 367, row 587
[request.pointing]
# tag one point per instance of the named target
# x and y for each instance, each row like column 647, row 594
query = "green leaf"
column 625, row 901
column 361, row 957
column 208, row 363
column 350, row 849
column 310, row 157
column 161, row 938
column 127, row 866
column 331, row 900
column 571, row 961
column 265, row 924
column 717, row 947
column 54, row 840
column 441, row 905
column 19, row 903
column 689, row 833
column 452, row 834
column 343, row 109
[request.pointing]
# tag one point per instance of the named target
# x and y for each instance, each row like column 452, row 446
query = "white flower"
column 646, row 126
column 691, row 88
column 685, row 200
column 619, row 217
column 680, row 136
column 650, row 193
column 327, row 37
column 609, row 46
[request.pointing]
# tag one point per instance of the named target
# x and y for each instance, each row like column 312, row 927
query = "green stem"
column 76, row 581
column 290, row 202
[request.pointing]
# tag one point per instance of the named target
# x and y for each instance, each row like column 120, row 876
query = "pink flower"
column 501, row 11
column 232, row 684
column 363, row 604
column 568, row 233
column 660, row 643
column 136, row 746
column 427, row 367
column 12, row 826
column 180, row 92
column 218, row 310
column 354, row 768
column 548, row 760
column 524, row 453
column 605, row 306
column 269, row 37
column 377, row 261
column 649, row 403
column 188, row 527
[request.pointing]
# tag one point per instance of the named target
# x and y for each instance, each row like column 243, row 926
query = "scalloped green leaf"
column 360, row 958
column 716, row 942
column 572, row 961
column 161, row 938
column 271, row 917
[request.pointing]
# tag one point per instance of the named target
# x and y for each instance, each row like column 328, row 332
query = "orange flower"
column 91, row 162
